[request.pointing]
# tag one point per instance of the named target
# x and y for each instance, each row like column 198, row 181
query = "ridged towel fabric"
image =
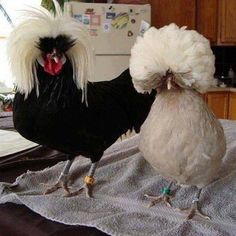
column 119, row 206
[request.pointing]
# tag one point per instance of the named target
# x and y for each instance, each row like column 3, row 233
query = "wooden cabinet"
column 207, row 19
column 222, row 103
column 227, row 22
column 219, row 103
column 215, row 19
column 181, row 12
column 232, row 106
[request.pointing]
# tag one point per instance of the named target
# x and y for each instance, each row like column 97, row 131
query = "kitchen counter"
column 219, row 89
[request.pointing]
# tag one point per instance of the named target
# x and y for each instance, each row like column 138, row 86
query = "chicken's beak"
column 57, row 58
column 54, row 56
column 169, row 85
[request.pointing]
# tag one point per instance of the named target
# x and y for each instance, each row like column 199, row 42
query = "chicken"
column 51, row 58
column 181, row 138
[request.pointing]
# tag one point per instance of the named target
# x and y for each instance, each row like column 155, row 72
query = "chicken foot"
column 88, row 183
column 194, row 209
column 165, row 197
column 62, row 181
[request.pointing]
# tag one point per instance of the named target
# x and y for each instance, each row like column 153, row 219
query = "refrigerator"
column 113, row 29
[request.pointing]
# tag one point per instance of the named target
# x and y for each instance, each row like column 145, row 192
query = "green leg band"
column 165, row 191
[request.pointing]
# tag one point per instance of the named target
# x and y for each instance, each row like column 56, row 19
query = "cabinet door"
column 218, row 102
column 181, row 12
column 227, row 18
column 207, row 19
column 232, row 106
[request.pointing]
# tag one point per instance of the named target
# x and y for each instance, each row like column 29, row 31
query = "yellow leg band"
column 89, row 180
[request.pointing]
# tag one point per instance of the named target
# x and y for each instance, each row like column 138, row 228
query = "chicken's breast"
column 182, row 139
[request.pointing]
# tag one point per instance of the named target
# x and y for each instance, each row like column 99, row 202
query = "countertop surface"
column 219, row 89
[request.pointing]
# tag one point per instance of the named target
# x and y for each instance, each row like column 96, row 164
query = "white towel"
column 119, row 206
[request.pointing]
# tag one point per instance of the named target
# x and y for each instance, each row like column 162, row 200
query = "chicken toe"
column 87, row 187
column 59, row 184
column 164, row 197
column 194, row 210
column 88, row 183
column 62, row 181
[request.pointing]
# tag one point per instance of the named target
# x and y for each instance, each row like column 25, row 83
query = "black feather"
column 62, row 43
column 58, row 119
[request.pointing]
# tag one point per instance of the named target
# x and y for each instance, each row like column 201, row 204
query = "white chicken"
column 181, row 138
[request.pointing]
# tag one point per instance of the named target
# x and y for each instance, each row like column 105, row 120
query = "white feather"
column 186, row 53
column 39, row 23
column 182, row 139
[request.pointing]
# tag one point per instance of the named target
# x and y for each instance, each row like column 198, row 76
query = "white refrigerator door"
column 110, row 67
column 113, row 29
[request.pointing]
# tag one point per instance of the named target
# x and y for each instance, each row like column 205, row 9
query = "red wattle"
column 52, row 67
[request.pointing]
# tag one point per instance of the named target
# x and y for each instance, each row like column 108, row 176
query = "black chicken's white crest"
column 26, row 42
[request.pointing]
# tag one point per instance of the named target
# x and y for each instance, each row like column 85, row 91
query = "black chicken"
column 56, row 110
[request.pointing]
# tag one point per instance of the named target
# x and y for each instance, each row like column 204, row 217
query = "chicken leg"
column 194, row 209
column 62, row 180
column 165, row 197
column 88, row 183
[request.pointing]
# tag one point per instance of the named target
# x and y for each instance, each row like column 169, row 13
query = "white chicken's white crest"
column 38, row 23
column 185, row 53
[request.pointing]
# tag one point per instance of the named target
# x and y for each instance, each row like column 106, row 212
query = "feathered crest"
column 184, row 53
column 38, row 23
